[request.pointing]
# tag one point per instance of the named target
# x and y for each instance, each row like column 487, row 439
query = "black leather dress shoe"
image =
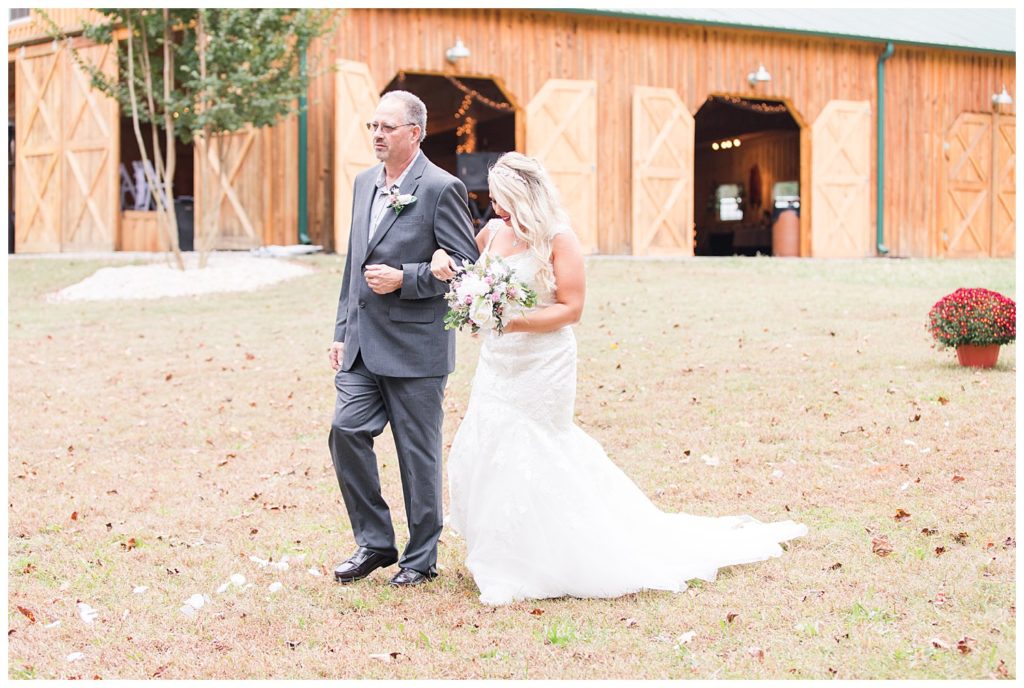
column 361, row 564
column 408, row 577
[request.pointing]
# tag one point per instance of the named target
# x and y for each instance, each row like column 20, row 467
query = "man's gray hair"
column 415, row 110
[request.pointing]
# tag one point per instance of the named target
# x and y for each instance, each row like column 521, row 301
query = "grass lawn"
column 171, row 444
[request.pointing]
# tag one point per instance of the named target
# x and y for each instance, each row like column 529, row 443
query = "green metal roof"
column 990, row 30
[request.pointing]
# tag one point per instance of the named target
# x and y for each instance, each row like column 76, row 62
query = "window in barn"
column 470, row 122
column 743, row 148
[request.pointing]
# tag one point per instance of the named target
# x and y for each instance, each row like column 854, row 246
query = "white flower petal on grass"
column 139, row 589
column 53, row 624
column 315, row 571
column 188, row 610
column 259, row 562
column 710, row 460
column 196, row 601
column 87, row 613
column 75, row 656
column 904, row 486
column 910, row 443
column 280, row 565
column 275, row 586
column 238, row 579
column 223, row 587
column 776, row 473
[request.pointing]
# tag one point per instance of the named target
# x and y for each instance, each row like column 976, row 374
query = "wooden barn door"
column 561, row 132
column 1004, row 183
column 91, row 131
column 239, row 202
column 662, row 204
column 66, row 148
column 979, row 214
column 38, row 152
column 355, row 99
column 841, row 225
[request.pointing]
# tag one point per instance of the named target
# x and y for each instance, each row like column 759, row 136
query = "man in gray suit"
column 391, row 351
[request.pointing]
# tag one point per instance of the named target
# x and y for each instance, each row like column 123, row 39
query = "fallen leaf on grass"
column 960, row 538
column 1000, row 672
column 958, row 478
column 730, row 616
column 1008, row 543
column 943, row 400
column 939, row 643
column 74, row 515
column 835, row 567
column 756, row 652
column 940, row 551
column 129, row 546
column 928, row 531
column 965, row 645
column 901, row 515
column 537, row 612
column 28, row 613
column 881, row 546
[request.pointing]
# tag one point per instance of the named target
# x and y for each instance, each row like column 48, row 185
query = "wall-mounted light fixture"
column 760, row 76
column 457, row 52
column 1002, row 98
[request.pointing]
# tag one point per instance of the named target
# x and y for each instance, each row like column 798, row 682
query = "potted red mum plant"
column 975, row 321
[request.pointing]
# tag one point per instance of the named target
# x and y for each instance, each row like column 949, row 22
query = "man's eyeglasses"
column 387, row 128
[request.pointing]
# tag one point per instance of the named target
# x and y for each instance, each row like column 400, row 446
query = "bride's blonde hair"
column 522, row 187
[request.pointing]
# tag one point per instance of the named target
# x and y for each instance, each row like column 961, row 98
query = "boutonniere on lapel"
column 397, row 201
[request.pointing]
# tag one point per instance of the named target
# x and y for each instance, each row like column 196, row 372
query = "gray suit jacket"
column 402, row 334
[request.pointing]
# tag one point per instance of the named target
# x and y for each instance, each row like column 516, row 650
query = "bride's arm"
column 442, row 266
column 570, row 290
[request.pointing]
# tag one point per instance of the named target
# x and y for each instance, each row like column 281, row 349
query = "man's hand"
column 383, row 279
column 335, row 354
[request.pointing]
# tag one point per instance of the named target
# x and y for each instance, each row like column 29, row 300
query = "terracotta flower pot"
column 978, row 356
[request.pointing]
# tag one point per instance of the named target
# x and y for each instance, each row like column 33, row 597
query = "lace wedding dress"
column 544, row 511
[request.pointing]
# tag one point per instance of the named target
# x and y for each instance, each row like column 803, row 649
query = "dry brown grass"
column 165, row 443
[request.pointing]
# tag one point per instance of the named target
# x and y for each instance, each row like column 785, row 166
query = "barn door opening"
column 470, row 122
column 746, row 177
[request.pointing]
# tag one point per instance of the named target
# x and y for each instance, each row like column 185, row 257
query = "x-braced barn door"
column 561, row 132
column 979, row 217
column 66, row 152
column 663, row 140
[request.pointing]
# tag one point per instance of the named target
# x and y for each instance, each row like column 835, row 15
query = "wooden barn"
column 825, row 133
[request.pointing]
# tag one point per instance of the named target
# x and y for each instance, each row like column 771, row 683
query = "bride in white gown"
column 543, row 510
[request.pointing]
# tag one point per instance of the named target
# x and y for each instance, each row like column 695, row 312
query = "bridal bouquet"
column 485, row 294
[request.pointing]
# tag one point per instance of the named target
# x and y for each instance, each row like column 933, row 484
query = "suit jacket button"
column 362, row 304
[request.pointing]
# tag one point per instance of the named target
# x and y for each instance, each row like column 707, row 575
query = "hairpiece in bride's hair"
column 507, row 174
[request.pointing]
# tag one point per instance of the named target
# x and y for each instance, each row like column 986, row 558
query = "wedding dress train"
column 545, row 512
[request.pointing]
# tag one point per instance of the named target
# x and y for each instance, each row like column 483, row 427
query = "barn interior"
column 470, row 122
column 746, row 177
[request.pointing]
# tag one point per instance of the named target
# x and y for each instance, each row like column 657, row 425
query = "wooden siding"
column 926, row 89
column 35, row 28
